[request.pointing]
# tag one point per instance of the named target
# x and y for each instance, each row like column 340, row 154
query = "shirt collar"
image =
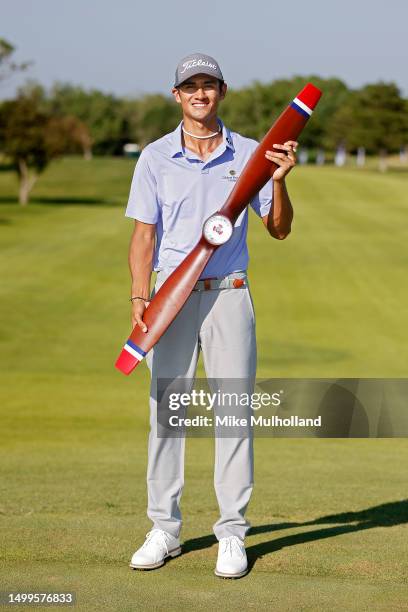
column 177, row 146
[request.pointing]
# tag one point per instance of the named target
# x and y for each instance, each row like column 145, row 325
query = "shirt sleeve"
column 262, row 202
column 142, row 204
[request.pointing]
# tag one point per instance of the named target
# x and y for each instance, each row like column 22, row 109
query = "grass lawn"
column 329, row 517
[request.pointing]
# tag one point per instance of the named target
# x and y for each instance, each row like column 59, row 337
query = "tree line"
column 374, row 116
column 41, row 124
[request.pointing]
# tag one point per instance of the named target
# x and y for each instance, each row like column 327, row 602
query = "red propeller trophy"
column 217, row 230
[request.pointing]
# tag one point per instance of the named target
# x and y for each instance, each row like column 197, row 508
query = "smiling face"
column 199, row 97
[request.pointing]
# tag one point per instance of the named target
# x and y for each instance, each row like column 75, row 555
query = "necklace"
column 201, row 137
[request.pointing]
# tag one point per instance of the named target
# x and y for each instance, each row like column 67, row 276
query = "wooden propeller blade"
column 174, row 292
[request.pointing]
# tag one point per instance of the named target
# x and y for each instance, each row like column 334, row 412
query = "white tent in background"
column 131, row 149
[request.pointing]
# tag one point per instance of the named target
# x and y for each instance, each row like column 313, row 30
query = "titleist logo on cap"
column 197, row 63
column 192, row 63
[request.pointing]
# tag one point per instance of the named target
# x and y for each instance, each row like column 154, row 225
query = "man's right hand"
column 138, row 309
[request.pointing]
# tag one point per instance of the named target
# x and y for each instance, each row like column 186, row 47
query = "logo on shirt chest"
column 232, row 176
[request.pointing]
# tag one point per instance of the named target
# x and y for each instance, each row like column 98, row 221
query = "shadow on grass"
column 6, row 167
column 71, row 200
column 384, row 515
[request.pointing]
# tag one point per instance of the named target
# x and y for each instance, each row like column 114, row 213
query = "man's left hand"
column 285, row 161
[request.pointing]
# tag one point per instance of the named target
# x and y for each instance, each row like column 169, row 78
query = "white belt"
column 236, row 280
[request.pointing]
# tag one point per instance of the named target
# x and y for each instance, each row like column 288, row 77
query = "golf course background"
column 328, row 516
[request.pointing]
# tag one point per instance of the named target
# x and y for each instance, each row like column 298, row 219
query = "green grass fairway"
column 329, row 520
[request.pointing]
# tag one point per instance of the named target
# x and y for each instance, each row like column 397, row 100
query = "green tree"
column 7, row 66
column 69, row 135
column 36, row 93
column 373, row 117
column 150, row 117
column 253, row 109
column 100, row 112
column 30, row 139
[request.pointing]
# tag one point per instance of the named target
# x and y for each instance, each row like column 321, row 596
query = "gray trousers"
column 220, row 323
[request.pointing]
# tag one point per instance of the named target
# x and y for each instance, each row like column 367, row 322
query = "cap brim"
column 193, row 74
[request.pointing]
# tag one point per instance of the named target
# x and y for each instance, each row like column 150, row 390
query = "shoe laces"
column 231, row 545
column 157, row 536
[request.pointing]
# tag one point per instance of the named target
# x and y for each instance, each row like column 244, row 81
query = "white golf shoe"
column 232, row 560
column 159, row 545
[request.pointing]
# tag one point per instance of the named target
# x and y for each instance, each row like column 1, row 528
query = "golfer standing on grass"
column 179, row 181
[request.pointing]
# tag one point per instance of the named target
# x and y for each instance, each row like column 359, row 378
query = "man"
column 179, row 181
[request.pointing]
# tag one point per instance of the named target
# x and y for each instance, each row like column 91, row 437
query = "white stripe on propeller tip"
column 303, row 106
column 132, row 351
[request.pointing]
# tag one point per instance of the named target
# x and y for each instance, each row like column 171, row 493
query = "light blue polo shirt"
column 176, row 190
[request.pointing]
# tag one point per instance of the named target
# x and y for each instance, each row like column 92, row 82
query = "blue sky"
column 130, row 47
